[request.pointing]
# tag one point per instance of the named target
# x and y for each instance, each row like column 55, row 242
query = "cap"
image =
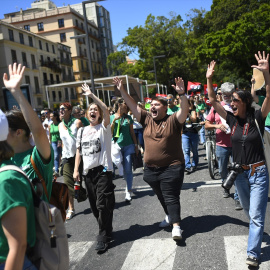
column 42, row 112
column 3, row 126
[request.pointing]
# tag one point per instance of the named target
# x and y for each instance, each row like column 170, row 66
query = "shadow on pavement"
column 194, row 225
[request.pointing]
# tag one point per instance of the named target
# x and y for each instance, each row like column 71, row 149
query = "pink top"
column 222, row 139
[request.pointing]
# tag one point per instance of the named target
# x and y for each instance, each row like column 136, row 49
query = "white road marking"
column 235, row 247
column 151, row 254
column 76, row 252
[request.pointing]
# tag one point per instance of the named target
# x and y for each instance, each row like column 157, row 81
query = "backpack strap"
column 40, row 177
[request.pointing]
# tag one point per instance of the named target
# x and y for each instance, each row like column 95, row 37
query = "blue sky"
column 125, row 13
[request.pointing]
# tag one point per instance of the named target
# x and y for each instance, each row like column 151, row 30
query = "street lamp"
column 154, row 59
column 88, row 50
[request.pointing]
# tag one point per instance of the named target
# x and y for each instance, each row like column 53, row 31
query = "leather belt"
column 253, row 166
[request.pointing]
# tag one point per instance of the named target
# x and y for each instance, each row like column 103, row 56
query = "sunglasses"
column 169, row 99
column 62, row 109
column 219, row 94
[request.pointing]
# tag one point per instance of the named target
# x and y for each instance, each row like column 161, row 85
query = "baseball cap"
column 3, row 126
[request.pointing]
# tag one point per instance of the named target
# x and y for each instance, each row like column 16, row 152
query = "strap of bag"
column 40, row 177
column 81, row 140
column 263, row 143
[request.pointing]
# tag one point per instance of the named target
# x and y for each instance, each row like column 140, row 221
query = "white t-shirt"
column 96, row 147
column 69, row 143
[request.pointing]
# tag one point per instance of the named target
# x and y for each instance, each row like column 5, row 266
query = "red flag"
column 206, row 90
column 161, row 95
column 194, row 86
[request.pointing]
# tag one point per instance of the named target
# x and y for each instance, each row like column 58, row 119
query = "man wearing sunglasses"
column 171, row 107
column 223, row 136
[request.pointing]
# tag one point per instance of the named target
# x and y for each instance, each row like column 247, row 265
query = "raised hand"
column 179, row 86
column 15, row 76
column 117, row 82
column 210, row 69
column 263, row 63
column 86, row 90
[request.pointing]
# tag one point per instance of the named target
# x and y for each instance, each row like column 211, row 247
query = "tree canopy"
column 230, row 33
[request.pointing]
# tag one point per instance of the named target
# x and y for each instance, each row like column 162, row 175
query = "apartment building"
column 97, row 13
column 41, row 57
column 59, row 24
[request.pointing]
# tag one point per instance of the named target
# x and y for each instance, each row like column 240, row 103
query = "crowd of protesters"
column 167, row 134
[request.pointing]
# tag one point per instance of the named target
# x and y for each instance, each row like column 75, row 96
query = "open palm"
column 15, row 76
column 86, row 90
column 210, row 69
column 263, row 62
column 179, row 86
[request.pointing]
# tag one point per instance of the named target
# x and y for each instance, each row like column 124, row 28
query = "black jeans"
column 167, row 182
column 100, row 189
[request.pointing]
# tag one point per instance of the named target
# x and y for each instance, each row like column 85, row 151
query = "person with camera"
column 223, row 136
column 249, row 168
column 163, row 156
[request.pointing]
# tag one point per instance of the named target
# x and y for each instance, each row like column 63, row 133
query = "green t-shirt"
column 85, row 121
column 200, row 107
column 23, row 161
column 172, row 110
column 261, row 100
column 15, row 191
column 125, row 138
column 54, row 131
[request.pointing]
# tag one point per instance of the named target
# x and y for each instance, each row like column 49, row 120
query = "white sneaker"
column 176, row 233
column 128, row 196
column 166, row 222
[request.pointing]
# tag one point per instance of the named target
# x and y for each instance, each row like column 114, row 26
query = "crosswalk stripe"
column 76, row 252
column 150, row 254
column 235, row 247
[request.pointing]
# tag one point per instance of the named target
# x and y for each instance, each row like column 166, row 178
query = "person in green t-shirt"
column 123, row 134
column 171, row 107
column 55, row 141
column 22, row 123
column 17, row 218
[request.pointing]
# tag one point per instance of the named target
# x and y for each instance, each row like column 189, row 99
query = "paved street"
column 214, row 233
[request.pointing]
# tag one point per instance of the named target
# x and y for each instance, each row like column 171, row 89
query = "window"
column 37, row 85
column 61, row 23
column 47, row 47
column 63, row 37
column 66, row 94
column 21, row 38
column 54, row 95
column 27, row 79
column 40, row 44
column 57, row 79
column 92, row 43
column 51, row 78
column 40, row 26
column 94, row 56
column 27, row 27
column 85, row 54
column 53, row 49
column 11, row 36
column 33, row 60
column 39, row 102
column 59, row 95
column 76, row 23
column 82, row 25
column 30, row 40
column 45, row 78
column 41, row 60
column 24, row 60
column 13, row 56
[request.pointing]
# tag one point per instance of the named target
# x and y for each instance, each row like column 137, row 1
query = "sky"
column 125, row 13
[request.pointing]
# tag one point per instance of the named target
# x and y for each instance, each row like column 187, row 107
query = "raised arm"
column 211, row 94
column 263, row 65
column 106, row 114
column 179, row 87
column 30, row 116
column 136, row 110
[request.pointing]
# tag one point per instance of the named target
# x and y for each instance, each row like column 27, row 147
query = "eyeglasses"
column 219, row 94
column 62, row 109
column 235, row 100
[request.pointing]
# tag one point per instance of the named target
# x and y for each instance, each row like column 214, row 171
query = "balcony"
column 53, row 65
column 49, row 82
column 66, row 61
column 68, row 78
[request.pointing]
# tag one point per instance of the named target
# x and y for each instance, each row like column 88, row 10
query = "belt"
column 253, row 166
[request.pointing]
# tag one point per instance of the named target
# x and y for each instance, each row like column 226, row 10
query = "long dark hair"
column 247, row 99
column 56, row 114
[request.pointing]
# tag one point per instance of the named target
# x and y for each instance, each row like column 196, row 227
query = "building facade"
column 41, row 57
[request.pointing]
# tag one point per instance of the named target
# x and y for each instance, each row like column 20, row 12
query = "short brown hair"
column 162, row 100
column 67, row 105
column 6, row 151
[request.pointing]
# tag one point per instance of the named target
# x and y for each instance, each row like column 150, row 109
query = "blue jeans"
column 127, row 152
column 27, row 265
column 139, row 137
column 202, row 135
column 253, row 195
column 190, row 140
column 57, row 153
